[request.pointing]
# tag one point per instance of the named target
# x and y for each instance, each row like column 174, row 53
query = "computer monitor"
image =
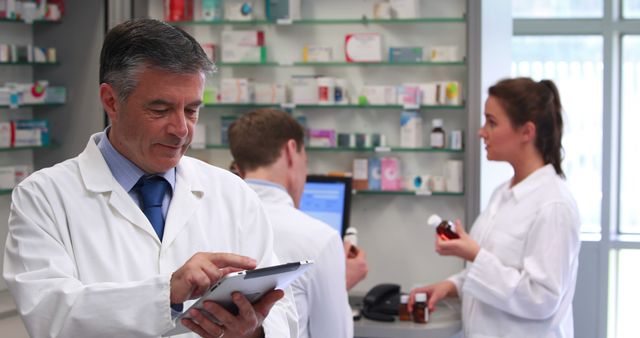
column 328, row 199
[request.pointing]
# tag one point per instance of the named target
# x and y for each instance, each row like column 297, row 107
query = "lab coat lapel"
column 186, row 200
column 97, row 178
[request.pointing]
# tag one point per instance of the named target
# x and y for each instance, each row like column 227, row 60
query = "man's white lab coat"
column 320, row 294
column 82, row 260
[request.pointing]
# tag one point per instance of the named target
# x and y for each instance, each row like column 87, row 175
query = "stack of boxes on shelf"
column 217, row 10
column 412, row 94
column 10, row 53
column 24, row 133
column 18, row 94
column 10, row 176
column 28, row 11
column 385, row 174
column 328, row 90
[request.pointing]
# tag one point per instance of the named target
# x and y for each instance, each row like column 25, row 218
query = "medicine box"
column 270, row 93
column 6, row 134
column 444, row 54
column 390, row 178
column 225, row 123
column 304, row 89
column 363, row 47
column 243, row 38
column 410, row 129
column 199, row 137
column 360, row 174
column 238, row 90
column 325, row 138
column 249, row 54
column 405, row 54
column 239, row 10
column 404, row 9
column 283, row 9
column 7, row 177
column 374, row 174
column 29, row 133
column 317, row 54
column 379, row 95
column 56, row 95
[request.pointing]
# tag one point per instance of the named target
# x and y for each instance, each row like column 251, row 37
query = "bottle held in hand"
column 445, row 229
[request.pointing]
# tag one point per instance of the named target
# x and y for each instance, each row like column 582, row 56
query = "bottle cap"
column 351, row 235
column 434, row 220
column 404, row 299
column 421, row 297
column 437, row 123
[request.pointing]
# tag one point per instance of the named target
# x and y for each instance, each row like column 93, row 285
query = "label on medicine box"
column 249, row 54
column 363, row 47
column 405, row 54
column 236, row 90
column 243, row 38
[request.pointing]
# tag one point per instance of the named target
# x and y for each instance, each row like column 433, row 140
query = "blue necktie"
column 152, row 190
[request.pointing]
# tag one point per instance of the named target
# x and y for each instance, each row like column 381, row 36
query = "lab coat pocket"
column 508, row 249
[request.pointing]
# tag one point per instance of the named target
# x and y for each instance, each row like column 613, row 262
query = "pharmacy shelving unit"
column 18, row 32
column 382, row 217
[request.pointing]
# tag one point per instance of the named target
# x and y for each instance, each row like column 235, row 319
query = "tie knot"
column 152, row 190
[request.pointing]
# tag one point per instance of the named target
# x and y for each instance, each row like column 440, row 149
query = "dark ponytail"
column 553, row 142
column 539, row 102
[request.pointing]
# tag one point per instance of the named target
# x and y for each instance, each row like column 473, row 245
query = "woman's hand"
column 464, row 247
column 435, row 292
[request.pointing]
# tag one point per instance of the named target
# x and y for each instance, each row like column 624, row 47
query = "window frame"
column 612, row 27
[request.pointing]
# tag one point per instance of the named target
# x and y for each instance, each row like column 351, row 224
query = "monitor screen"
column 328, row 199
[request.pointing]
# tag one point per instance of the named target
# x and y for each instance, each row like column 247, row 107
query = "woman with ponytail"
column 522, row 251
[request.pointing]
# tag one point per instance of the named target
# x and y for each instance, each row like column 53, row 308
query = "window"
column 630, row 138
column 558, row 8
column 625, row 276
column 631, row 9
column 574, row 63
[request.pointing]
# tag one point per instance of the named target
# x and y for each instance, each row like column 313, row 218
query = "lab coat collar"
column 270, row 192
column 535, row 180
column 97, row 178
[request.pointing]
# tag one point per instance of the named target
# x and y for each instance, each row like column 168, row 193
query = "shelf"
column 382, row 150
column 405, row 193
column 363, row 20
column 355, row 150
column 222, row 22
column 29, row 63
column 344, row 64
column 383, row 63
column 26, row 148
column 328, row 106
column 31, row 105
column 247, row 64
column 5, row 191
column 5, row 20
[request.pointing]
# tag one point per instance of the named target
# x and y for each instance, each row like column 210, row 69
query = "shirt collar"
column 123, row 170
column 269, row 191
column 535, row 180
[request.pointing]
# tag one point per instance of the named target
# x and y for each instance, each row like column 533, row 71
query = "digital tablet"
column 253, row 284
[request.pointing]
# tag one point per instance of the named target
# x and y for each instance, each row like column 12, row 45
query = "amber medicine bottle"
column 403, row 308
column 437, row 136
column 420, row 311
column 445, row 228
